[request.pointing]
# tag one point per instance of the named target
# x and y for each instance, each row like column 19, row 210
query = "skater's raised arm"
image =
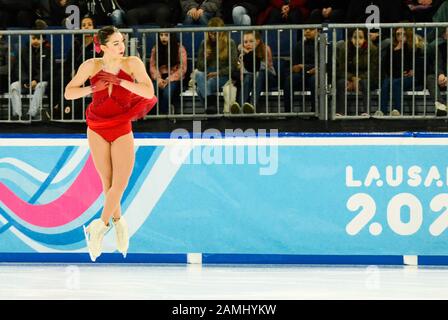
column 75, row 89
column 143, row 85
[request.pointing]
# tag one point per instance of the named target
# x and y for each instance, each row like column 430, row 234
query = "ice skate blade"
column 88, row 242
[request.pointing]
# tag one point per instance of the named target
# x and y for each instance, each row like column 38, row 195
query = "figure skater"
column 122, row 92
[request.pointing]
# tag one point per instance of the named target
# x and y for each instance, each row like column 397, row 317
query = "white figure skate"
column 122, row 236
column 94, row 234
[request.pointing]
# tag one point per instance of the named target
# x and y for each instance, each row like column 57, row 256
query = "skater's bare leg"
column 100, row 150
column 123, row 157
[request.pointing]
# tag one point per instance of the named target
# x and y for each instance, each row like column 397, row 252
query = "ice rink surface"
column 219, row 282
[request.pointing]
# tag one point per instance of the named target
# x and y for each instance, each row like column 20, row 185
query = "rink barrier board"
column 229, row 258
column 210, row 259
column 84, row 258
column 219, row 259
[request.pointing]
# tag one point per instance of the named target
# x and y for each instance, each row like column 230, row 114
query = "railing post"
column 134, row 43
column 322, row 75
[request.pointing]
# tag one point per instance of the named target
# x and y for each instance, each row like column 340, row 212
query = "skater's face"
column 249, row 42
column 164, row 38
column 115, row 46
column 358, row 38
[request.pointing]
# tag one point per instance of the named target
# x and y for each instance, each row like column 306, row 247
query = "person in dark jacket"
column 357, row 70
column 405, row 71
column 200, row 11
column 34, row 77
column 105, row 12
column 53, row 11
column 333, row 11
column 284, row 11
column 160, row 12
column 437, row 79
column 6, row 63
column 391, row 11
column 423, row 10
column 18, row 13
column 304, row 69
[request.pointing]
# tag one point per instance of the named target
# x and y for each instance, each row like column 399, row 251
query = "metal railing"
column 315, row 70
column 272, row 84
column 395, row 83
column 20, row 99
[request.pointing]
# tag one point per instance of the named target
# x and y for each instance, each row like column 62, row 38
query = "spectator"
column 441, row 14
column 82, row 50
column 5, row 65
column 423, row 10
column 57, row 12
column 168, row 65
column 18, row 13
column 160, row 12
column 391, row 11
column 105, row 12
column 33, row 78
column 200, row 11
column 333, row 11
column 361, row 68
column 403, row 72
column 303, row 69
column 255, row 62
column 438, row 81
column 214, row 68
column 284, row 11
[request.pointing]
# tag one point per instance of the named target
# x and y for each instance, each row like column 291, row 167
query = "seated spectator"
column 245, row 12
column 255, row 62
column 167, row 68
column 33, row 78
column 423, row 10
column 213, row 69
column 361, row 68
column 54, row 13
column 105, row 12
column 18, row 13
column 401, row 60
column 441, row 14
column 438, row 82
column 284, row 11
column 332, row 11
column 200, row 11
column 303, row 71
column 83, row 49
column 160, row 12
column 6, row 64
column 391, row 11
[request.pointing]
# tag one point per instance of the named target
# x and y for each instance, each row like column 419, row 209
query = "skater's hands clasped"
column 100, row 85
column 110, row 78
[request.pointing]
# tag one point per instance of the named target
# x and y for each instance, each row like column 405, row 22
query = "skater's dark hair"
column 105, row 32
column 102, row 37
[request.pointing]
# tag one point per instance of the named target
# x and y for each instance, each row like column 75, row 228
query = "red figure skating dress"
column 111, row 116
